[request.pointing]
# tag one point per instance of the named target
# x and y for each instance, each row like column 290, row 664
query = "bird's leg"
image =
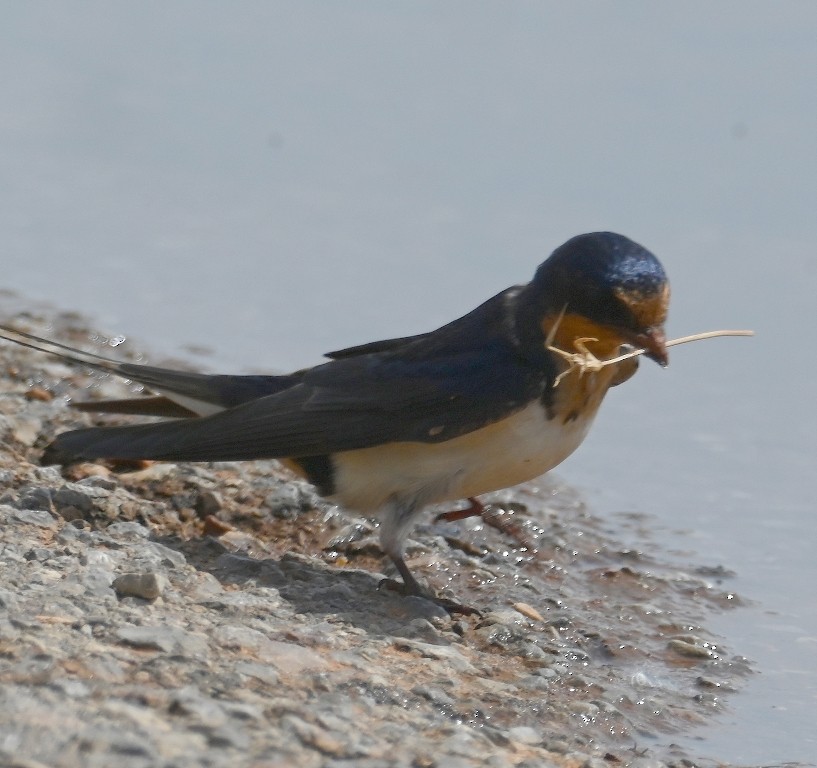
column 475, row 508
column 492, row 515
column 411, row 587
column 397, row 517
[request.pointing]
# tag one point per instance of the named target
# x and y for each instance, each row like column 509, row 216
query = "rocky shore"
column 223, row 615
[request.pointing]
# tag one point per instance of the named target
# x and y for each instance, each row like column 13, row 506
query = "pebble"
column 145, row 585
column 190, row 701
column 529, row 611
column 262, row 672
column 215, row 527
column 525, row 735
column 80, row 497
column 692, row 648
column 451, row 655
column 289, row 499
column 208, row 503
column 292, row 659
column 38, row 517
column 33, row 498
column 128, row 530
column 435, row 695
column 165, row 639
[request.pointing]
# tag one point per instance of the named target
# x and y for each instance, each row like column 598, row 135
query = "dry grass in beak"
column 584, row 361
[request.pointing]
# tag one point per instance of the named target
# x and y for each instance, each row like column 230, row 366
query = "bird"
column 390, row 427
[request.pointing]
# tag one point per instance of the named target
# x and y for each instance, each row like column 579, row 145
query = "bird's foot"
column 410, row 586
column 475, row 508
column 451, row 606
column 496, row 516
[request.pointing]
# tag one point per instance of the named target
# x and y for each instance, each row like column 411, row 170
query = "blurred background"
column 251, row 184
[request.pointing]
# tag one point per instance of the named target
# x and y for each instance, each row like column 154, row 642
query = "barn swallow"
column 392, row 426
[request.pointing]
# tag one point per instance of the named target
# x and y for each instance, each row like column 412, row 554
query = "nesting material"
column 584, row 361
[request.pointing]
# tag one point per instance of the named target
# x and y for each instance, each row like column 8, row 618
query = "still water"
column 267, row 182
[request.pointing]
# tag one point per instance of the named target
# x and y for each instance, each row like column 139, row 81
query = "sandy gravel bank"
column 221, row 614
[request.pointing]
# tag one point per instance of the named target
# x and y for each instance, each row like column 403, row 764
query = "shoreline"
column 222, row 614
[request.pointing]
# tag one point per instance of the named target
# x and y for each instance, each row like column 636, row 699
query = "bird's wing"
column 441, row 385
column 343, row 405
column 386, row 345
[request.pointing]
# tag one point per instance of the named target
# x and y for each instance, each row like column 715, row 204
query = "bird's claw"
column 451, row 606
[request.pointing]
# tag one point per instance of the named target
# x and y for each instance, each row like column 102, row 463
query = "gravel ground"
column 222, row 614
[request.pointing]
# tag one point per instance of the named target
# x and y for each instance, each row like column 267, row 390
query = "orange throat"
column 599, row 340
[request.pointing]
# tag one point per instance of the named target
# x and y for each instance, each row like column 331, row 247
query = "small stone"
column 97, row 581
column 145, row 585
column 241, row 541
column 100, row 558
column 284, row 501
column 434, row 695
column 40, row 394
column 248, row 712
column 291, row 658
column 349, row 535
column 525, row 735
column 290, row 498
column 38, row 517
column 208, row 503
column 505, row 616
column 529, row 611
column 126, row 746
column 169, row 558
column 75, row 689
column 263, row 672
column 50, row 475
column 215, row 527
column 236, row 637
column 448, row 654
column 165, row 639
column 318, row 738
column 70, row 514
column 35, row 498
column 559, row 746
column 26, row 431
column 691, row 649
column 227, row 736
column 80, row 497
column 100, row 479
column 713, row 684
column 189, row 701
column 41, row 554
column 127, row 530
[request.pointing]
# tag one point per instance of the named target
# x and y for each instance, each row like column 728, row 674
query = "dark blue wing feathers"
column 429, row 389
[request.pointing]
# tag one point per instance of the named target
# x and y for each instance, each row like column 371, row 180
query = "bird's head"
column 602, row 286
